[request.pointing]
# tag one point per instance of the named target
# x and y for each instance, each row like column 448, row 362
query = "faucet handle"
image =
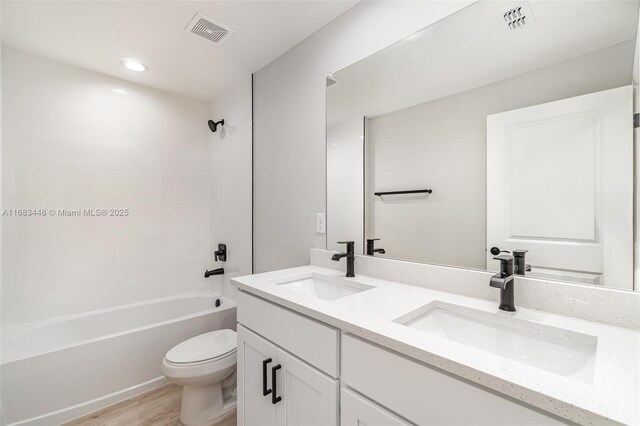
column 221, row 253
column 504, row 258
column 350, row 246
column 372, row 239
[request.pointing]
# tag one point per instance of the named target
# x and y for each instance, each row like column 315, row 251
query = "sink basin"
column 555, row 350
column 322, row 287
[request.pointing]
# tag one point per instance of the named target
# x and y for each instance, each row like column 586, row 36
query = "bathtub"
column 57, row 370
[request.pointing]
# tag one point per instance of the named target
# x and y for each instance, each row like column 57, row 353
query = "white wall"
column 289, row 128
column 442, row 145
column 636, row 93
column 2, row 410
column 71, row 142
column 231, row 167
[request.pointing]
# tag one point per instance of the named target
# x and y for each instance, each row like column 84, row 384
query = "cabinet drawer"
column 428, row 396
column 355, row 410
column 314, row 342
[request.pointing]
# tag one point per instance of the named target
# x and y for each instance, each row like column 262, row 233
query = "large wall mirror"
column 508, row 126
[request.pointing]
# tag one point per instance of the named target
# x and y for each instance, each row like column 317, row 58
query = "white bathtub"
column 60, row 369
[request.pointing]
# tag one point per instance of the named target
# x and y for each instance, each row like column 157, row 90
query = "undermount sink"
column 322, row 287
column 555, row 350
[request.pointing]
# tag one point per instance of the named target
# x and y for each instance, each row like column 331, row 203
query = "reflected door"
column 560, row 185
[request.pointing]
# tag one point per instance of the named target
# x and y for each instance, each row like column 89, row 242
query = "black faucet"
column 349, row 254
column 520, row 267
column 219, row 271
column 221, row 253
column 371, row 250
column 504, row 281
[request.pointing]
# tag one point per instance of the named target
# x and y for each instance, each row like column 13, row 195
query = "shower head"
column 213, row 125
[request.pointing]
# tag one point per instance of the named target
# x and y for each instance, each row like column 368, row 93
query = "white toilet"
column 205, row 366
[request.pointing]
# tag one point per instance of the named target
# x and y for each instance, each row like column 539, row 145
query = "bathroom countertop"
column 612, row 396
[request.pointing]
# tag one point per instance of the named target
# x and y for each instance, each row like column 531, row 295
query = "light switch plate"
column 321, row 223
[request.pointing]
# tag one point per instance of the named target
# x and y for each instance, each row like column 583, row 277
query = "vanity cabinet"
column 276, row 386
column 294, row 370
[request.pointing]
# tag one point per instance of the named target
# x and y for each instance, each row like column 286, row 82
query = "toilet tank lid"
column 204, row 347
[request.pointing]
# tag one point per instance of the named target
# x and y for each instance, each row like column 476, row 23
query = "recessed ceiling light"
column 133, row 65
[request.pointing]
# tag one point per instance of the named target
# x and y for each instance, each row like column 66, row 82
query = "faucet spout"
column 500, row 280
column 219, row 271
column 339, row 256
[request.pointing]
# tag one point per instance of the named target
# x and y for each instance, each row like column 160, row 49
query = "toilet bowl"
column 205, row 366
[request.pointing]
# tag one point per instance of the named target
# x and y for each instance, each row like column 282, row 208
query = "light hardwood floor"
column 159, row 407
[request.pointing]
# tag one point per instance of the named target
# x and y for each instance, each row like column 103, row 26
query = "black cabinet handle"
column 275, row 399
column 265, row 391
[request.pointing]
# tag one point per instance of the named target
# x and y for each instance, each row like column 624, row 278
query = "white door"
column 254, row 353
column 309, row 397
column 357, row 411
column 560, row 185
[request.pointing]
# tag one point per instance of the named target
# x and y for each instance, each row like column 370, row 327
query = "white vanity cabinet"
column 276, row 387
column 294, row 370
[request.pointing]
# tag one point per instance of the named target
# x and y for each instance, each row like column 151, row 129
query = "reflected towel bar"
column 413, row 191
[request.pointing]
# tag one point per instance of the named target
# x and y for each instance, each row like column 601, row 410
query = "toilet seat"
column 205, row 348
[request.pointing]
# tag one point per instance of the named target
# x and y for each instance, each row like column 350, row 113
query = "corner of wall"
column 231, row 203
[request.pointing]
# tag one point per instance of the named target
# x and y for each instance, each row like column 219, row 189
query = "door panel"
column 309, row 397
column 254, row 409
column 560, row 184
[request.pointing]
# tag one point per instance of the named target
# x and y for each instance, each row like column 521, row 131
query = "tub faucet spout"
column 219, row 271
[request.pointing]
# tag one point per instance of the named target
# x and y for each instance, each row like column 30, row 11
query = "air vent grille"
column 517, row 18
column 209, row 29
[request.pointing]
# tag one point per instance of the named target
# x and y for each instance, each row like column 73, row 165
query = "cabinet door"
column 356, row 410
column 254, row 352
column 309, row 397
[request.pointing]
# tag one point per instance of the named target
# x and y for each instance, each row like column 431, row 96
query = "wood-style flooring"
column 159, row 407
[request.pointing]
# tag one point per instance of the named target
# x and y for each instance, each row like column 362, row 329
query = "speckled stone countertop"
column 611, row 396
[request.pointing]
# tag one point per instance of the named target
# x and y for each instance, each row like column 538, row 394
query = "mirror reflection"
column 453, row 149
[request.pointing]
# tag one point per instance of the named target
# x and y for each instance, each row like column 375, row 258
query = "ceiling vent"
column 209, row 29
column 517, row 18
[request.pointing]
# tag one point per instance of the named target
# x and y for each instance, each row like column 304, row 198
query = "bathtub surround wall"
column 74, row 140
column 604, row 305
column 230, row 151
column 289, row 128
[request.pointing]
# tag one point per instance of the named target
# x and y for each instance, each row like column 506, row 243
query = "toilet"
column 205, row 366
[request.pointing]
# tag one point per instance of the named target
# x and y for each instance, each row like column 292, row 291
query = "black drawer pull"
column 275, row 399
column 265, row 391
